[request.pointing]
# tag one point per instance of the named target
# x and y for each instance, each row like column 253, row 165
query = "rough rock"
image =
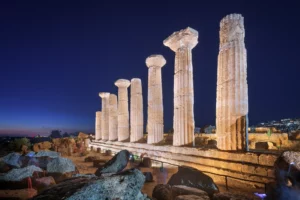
column 13, row 159
column 193, row 178
column 43, row 183
column 83, row 135
column 20, row 174
column 125, row 185
column 230, row 196
column 60, row 165
column 280, row 191
column 91, row 158
column 41, row 146
column 30, row 154
column 51, row 154
column 41, row 162
column 148, row 176
column 283, row 162
column 178, row 190
column 116, row 164
column 162, row 192
column 191, row 197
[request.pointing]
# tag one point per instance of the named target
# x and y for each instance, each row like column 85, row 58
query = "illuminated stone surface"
column 105, row 115
column 232, row 88
column 123, row 112
column 182, row 43
column 155, row 123
column 98, row 126
column 113, row 117
column 136, row 110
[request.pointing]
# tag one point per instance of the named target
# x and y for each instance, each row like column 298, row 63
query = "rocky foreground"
column 47, row 175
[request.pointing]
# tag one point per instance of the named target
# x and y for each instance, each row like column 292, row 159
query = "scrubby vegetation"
column 16, row 144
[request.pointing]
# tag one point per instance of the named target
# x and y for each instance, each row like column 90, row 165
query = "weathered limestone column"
column 123, row 113
column 113, row 117
column 98, row 126
column 105, row 115
column 182, row 43
column 155, row 121
column 136, row 110
column 232, row 87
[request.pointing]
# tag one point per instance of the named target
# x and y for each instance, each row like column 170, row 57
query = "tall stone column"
column 155, row 121
column 182, row 43
column 98, row 126
column 105, row 115
column 113, row 117
column 136, row 110
column 123, row 113
column 232, row 87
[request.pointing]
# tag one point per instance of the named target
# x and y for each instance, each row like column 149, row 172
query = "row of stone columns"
column 232, row 93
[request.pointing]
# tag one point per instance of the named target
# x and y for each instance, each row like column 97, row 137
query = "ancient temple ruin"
column 232, row 88
column 182, row 43
column 155, row 123
column 234, row 168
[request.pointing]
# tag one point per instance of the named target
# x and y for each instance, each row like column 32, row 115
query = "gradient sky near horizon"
column 56, row 56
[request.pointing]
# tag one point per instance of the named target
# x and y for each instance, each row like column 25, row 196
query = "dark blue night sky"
column 56, row 56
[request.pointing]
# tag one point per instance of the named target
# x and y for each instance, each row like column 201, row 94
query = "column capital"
column 122, row 83
column 104, row 94
column 184, row 38
column 155, row 60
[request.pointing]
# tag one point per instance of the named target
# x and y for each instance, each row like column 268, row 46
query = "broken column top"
column 232, row 28
column 122, row 83
column 98, row 113
column 113, row 99
column 155, row 60
column 104, row 94
column 184, row 38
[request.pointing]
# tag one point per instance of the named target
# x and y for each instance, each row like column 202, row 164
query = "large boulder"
column 123, row 186
column 13, row 160
column 116, row 164
column 193, row 178
column 162, row 192
column 19, row 178
column 288, row 160
column 60, row 165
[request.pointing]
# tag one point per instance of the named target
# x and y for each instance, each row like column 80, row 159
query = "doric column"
column 98, row 126
column 105, row 115
column 232, row 87
column 136, row 110
column 113, row 117
column 155, row 121
column 182, row 43
column 123, row 113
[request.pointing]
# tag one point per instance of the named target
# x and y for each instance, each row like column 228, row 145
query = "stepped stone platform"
column 244, row 171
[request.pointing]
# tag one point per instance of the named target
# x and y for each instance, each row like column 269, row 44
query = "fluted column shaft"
column 98, row 126
column 105, row 115
column 123, row 112
column 113, row 117
column 232, row 87
column 136, row 110
column 155, row 122
column 182, row 43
